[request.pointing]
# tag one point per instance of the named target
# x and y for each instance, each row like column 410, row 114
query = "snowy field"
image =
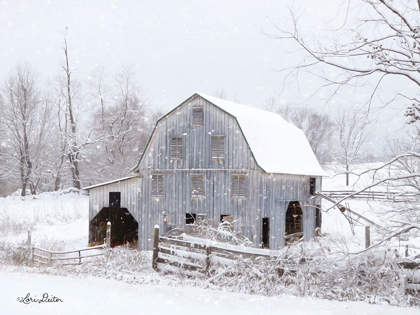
column 59, row 221
column 100, row 296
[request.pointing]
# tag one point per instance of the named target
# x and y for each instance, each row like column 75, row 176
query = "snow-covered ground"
column 100, row 296
column 58, row 220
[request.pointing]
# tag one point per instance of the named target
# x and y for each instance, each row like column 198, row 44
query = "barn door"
column 266, row 232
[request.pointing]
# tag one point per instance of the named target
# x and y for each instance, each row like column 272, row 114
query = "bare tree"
column 317, row 127
column 380, row 42
column 26, row 117
column 352, row 134
column 121, row 122
column 406, row 164
column 58, row 99
column 8, row 182
column 72, row 149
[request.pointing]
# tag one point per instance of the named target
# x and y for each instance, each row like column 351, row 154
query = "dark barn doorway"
column 266, row 232
column 293, row 218
column 124, row 228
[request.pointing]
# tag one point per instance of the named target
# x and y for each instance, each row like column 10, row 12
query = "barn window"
column 114, row 199
column 218, row 147
column 312, row 186
column 226, row 218
column 176, row 148
column 157, row 185
column 318, row 216
column 190, row 218
column 238, row 186
column 198, row 116
column 197, row 185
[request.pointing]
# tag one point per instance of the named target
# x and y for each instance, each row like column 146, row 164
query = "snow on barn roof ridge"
column 277, row 145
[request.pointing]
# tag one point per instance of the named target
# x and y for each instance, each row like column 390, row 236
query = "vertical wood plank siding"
column 266, row 195
column 130, row 195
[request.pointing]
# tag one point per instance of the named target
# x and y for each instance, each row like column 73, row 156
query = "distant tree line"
column 70, row 133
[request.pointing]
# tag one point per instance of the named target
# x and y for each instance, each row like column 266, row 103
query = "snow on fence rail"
column 369, row 194
column 191, row 256
column 73, row 257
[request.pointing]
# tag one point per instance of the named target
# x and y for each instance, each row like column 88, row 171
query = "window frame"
column 198, row 121
column 190, row 218
column 157, row 185
column 218, row 153
column 177, row 148
column 239, row 191
column 198, row 194
column 114, row 202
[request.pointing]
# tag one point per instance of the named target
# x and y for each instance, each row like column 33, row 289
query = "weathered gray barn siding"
column 197, row 141
column 130, row 196
column 267, row 195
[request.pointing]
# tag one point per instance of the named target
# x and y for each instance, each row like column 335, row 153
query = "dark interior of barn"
column 124, row 228
column 293, row 218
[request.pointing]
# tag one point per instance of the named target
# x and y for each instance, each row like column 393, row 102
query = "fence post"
column 406, row 250
column 208, row 258
column 155, row 246
column 30, row 244
column 108, row 235
column 367, row 236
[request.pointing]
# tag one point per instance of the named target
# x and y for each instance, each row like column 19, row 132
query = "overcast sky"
column 177, row 47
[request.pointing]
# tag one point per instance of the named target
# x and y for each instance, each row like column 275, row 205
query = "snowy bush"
column 14, row 255
column 314, row 271
column 217, row 231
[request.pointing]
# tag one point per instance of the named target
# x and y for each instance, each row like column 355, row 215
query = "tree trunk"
column 23, row 192
column 73, row 148
column 347, row 175
column 57, row 182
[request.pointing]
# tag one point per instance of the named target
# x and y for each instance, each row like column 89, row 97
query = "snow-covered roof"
column 278, row 146
column 110, row 182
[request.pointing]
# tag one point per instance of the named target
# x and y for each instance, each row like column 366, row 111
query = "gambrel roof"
column 277, row 146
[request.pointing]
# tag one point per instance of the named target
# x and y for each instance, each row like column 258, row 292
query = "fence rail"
column 196, row 257
column 369, row 194
column 72, row 257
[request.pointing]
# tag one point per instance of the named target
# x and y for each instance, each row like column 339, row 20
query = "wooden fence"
column 172, row 255
column 73, row 257
column 369, row 194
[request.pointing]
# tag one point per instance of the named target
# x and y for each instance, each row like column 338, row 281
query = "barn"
column 215, row 159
